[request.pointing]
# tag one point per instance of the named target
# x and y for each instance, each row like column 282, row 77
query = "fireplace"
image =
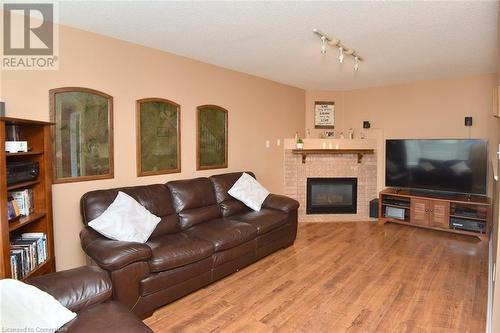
column 332, row 195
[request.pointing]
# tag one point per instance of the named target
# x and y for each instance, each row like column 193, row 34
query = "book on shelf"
column 27, row 252
column 13, row 210
column 41, row 239
column 24, row 199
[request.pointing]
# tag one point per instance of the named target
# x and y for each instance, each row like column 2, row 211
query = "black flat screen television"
column 454, row 166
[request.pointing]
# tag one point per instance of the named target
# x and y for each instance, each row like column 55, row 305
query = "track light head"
column 333, row 42
column 349, row 51
column 323, row 44
column 343, row 49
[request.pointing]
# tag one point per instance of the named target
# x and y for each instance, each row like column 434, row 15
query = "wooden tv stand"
column 435, row 212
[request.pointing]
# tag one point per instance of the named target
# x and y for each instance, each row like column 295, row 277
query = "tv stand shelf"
column 460, row 214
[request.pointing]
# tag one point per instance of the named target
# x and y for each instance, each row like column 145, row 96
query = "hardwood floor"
column 346, row 277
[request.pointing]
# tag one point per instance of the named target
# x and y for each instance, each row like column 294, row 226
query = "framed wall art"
column 324, row 115
column 83, row 134
column 158, row 137
column 211, row 145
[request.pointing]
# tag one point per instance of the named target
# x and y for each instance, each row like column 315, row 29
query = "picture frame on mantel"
column 324, row 115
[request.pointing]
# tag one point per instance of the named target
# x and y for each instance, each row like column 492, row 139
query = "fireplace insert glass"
column 332, row 195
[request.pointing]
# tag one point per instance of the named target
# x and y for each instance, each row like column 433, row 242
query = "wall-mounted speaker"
column 468, row 121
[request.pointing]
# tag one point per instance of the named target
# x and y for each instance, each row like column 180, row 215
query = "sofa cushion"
column 194, row 201
column 235, row 253
column 125, row 220
column 191, row 193
column 221, row 184
column 249, row 191
column 109, row 317
column 223, row 233
column 171, row 251
column 155, row 198
column 264, row 220
column 232, row 207
column 191, row 217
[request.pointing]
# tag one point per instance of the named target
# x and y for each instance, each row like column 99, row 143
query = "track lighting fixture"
column 343, row 50
column 333, row 42
column 323, row 44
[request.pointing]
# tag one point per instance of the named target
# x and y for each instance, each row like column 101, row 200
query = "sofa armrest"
column 76, row 288
column 110, row 254
column 280, row 202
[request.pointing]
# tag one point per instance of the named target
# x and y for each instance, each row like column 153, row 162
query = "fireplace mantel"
column 359, row 152
column 316, row 143
column 332, row 162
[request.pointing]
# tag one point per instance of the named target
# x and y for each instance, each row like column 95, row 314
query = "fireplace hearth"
column 332, row 195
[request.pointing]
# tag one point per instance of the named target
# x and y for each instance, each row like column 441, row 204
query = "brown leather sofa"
column 87, row 291
column 204, row 235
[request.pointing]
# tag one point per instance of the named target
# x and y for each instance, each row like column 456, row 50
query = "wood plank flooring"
column 346, row 277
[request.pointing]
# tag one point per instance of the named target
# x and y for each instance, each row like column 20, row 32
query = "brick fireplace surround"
column 327, row 165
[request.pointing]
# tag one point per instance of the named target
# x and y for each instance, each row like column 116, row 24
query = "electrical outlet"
column 268, row 144
column 278, row 142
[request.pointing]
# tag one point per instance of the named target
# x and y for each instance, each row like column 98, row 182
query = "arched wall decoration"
column 212, row 134
column 82, row 135
column 158, row 137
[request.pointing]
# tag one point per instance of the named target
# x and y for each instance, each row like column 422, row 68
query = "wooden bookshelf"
column 24, row 153
column 37, row 133
column 23, row 185
column 25, row 220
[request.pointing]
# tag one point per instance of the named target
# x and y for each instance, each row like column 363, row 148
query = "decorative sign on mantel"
column 324, row 115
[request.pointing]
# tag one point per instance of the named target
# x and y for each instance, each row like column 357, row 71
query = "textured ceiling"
column 401, row 41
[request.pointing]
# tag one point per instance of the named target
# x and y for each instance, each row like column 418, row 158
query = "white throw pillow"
column 25, row 308
column 249, row 191
column 126, row 220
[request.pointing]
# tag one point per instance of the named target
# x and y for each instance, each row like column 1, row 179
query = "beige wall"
column 427, row 109
column 259, row 110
